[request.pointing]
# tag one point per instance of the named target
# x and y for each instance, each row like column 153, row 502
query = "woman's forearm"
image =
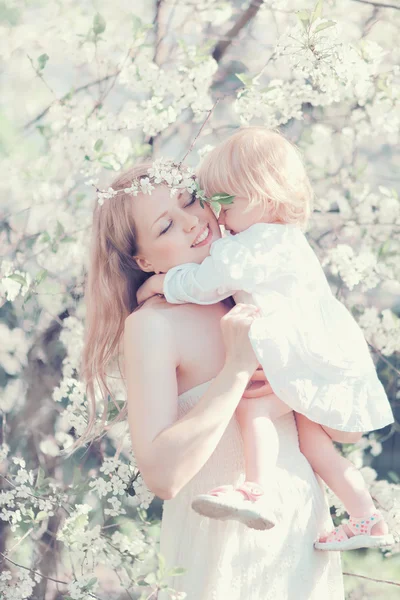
column 180, row 451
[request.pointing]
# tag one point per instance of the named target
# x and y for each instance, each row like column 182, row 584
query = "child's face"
column 240, row 215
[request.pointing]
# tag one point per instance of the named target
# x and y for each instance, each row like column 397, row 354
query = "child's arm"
column 235, row 263
column 244, row 262
column 152, row 286
column 198, row 284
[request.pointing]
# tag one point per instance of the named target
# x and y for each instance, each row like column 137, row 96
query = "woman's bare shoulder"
column 146, row 319
column 148, row 333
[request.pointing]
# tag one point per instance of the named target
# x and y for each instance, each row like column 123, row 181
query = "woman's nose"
column 190, row 221
column 221, row 218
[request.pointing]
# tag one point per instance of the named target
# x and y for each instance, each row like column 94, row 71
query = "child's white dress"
column 311, row 349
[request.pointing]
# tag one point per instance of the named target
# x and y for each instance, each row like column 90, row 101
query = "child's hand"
column 152, row 286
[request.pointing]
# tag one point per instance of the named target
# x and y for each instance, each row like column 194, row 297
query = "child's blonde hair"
column 263, row 166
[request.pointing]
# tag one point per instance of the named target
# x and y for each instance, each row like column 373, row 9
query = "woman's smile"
column 204, row 237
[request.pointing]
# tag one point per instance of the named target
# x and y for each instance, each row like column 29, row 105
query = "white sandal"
column 361, row 528
column 237, row 504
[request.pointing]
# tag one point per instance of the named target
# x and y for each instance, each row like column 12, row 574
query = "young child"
column 312, row 351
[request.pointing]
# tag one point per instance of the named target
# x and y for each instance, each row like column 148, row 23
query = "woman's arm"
column 169, row 452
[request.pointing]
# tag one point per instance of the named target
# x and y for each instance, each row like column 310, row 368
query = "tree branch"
column 243, row 20
column 397, row 583
column 76, row 91
column 45, row 576
column 378, row 4
column 200, row 130
column 382, row 357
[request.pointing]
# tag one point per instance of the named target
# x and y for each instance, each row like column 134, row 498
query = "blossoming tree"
column 87, row 92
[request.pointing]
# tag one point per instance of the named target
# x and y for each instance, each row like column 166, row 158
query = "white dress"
column 312, row 350
column 224, row 560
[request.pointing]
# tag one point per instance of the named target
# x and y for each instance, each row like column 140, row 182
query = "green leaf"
column 99, row 24
column 394, row 477
column 60, row 229
column 304, row 18
column 384, row 248
column 325, row 25
column 216, row 207
column 385, row 191
column 303, row 15
column 137, row 24
column 91, row 582
column 161, row 565
column 42, row 60
column 81, row 521
column 107, row 165
column 98, row 145
column 27, row 297
column 41, row 276
column 41, row 515
column 176, row 571
column 40, row 477
column 245, row 79
column 317, row 12
column 45, row 237
column 142, row 514
column 18, row 278
column 222, row 198
column 150, row 579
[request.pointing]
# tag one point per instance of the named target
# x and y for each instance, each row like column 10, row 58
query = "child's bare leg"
column 338, row 472
column 260, row 439
column 343, row 437
column 248, row 503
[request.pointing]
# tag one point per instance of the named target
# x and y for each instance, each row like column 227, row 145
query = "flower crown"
column 171, row 174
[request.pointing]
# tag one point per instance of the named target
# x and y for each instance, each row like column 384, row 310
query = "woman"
column 186, row 370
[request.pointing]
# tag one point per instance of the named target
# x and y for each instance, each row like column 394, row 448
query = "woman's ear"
column 144, row 264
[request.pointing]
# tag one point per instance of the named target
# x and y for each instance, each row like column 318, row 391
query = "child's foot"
column 359, row 532
column 246, row 504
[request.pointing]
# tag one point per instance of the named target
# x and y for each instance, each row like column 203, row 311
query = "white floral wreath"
column 168, row 173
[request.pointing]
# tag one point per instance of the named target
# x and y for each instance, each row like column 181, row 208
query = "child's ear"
column 144, row 264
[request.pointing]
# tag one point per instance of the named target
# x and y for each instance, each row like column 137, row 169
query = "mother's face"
column 172, row 230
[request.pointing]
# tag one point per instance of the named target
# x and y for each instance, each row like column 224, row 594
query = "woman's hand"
column 235, row 326
column 152, row 286
column 258, row 385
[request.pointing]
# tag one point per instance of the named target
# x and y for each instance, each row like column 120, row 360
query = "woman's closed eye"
column 192, row 200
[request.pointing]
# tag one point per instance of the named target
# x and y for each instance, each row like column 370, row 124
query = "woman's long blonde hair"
column 110, row 293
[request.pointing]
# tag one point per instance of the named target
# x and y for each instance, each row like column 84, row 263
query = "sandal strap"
column 251, row 491
column 363, row 525
column 337, row 535
column 222, row 489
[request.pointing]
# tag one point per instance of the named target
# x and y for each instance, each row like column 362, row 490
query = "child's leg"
column 260, row 439
column 247, row 503
column 338, row 472
column 343, row 437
